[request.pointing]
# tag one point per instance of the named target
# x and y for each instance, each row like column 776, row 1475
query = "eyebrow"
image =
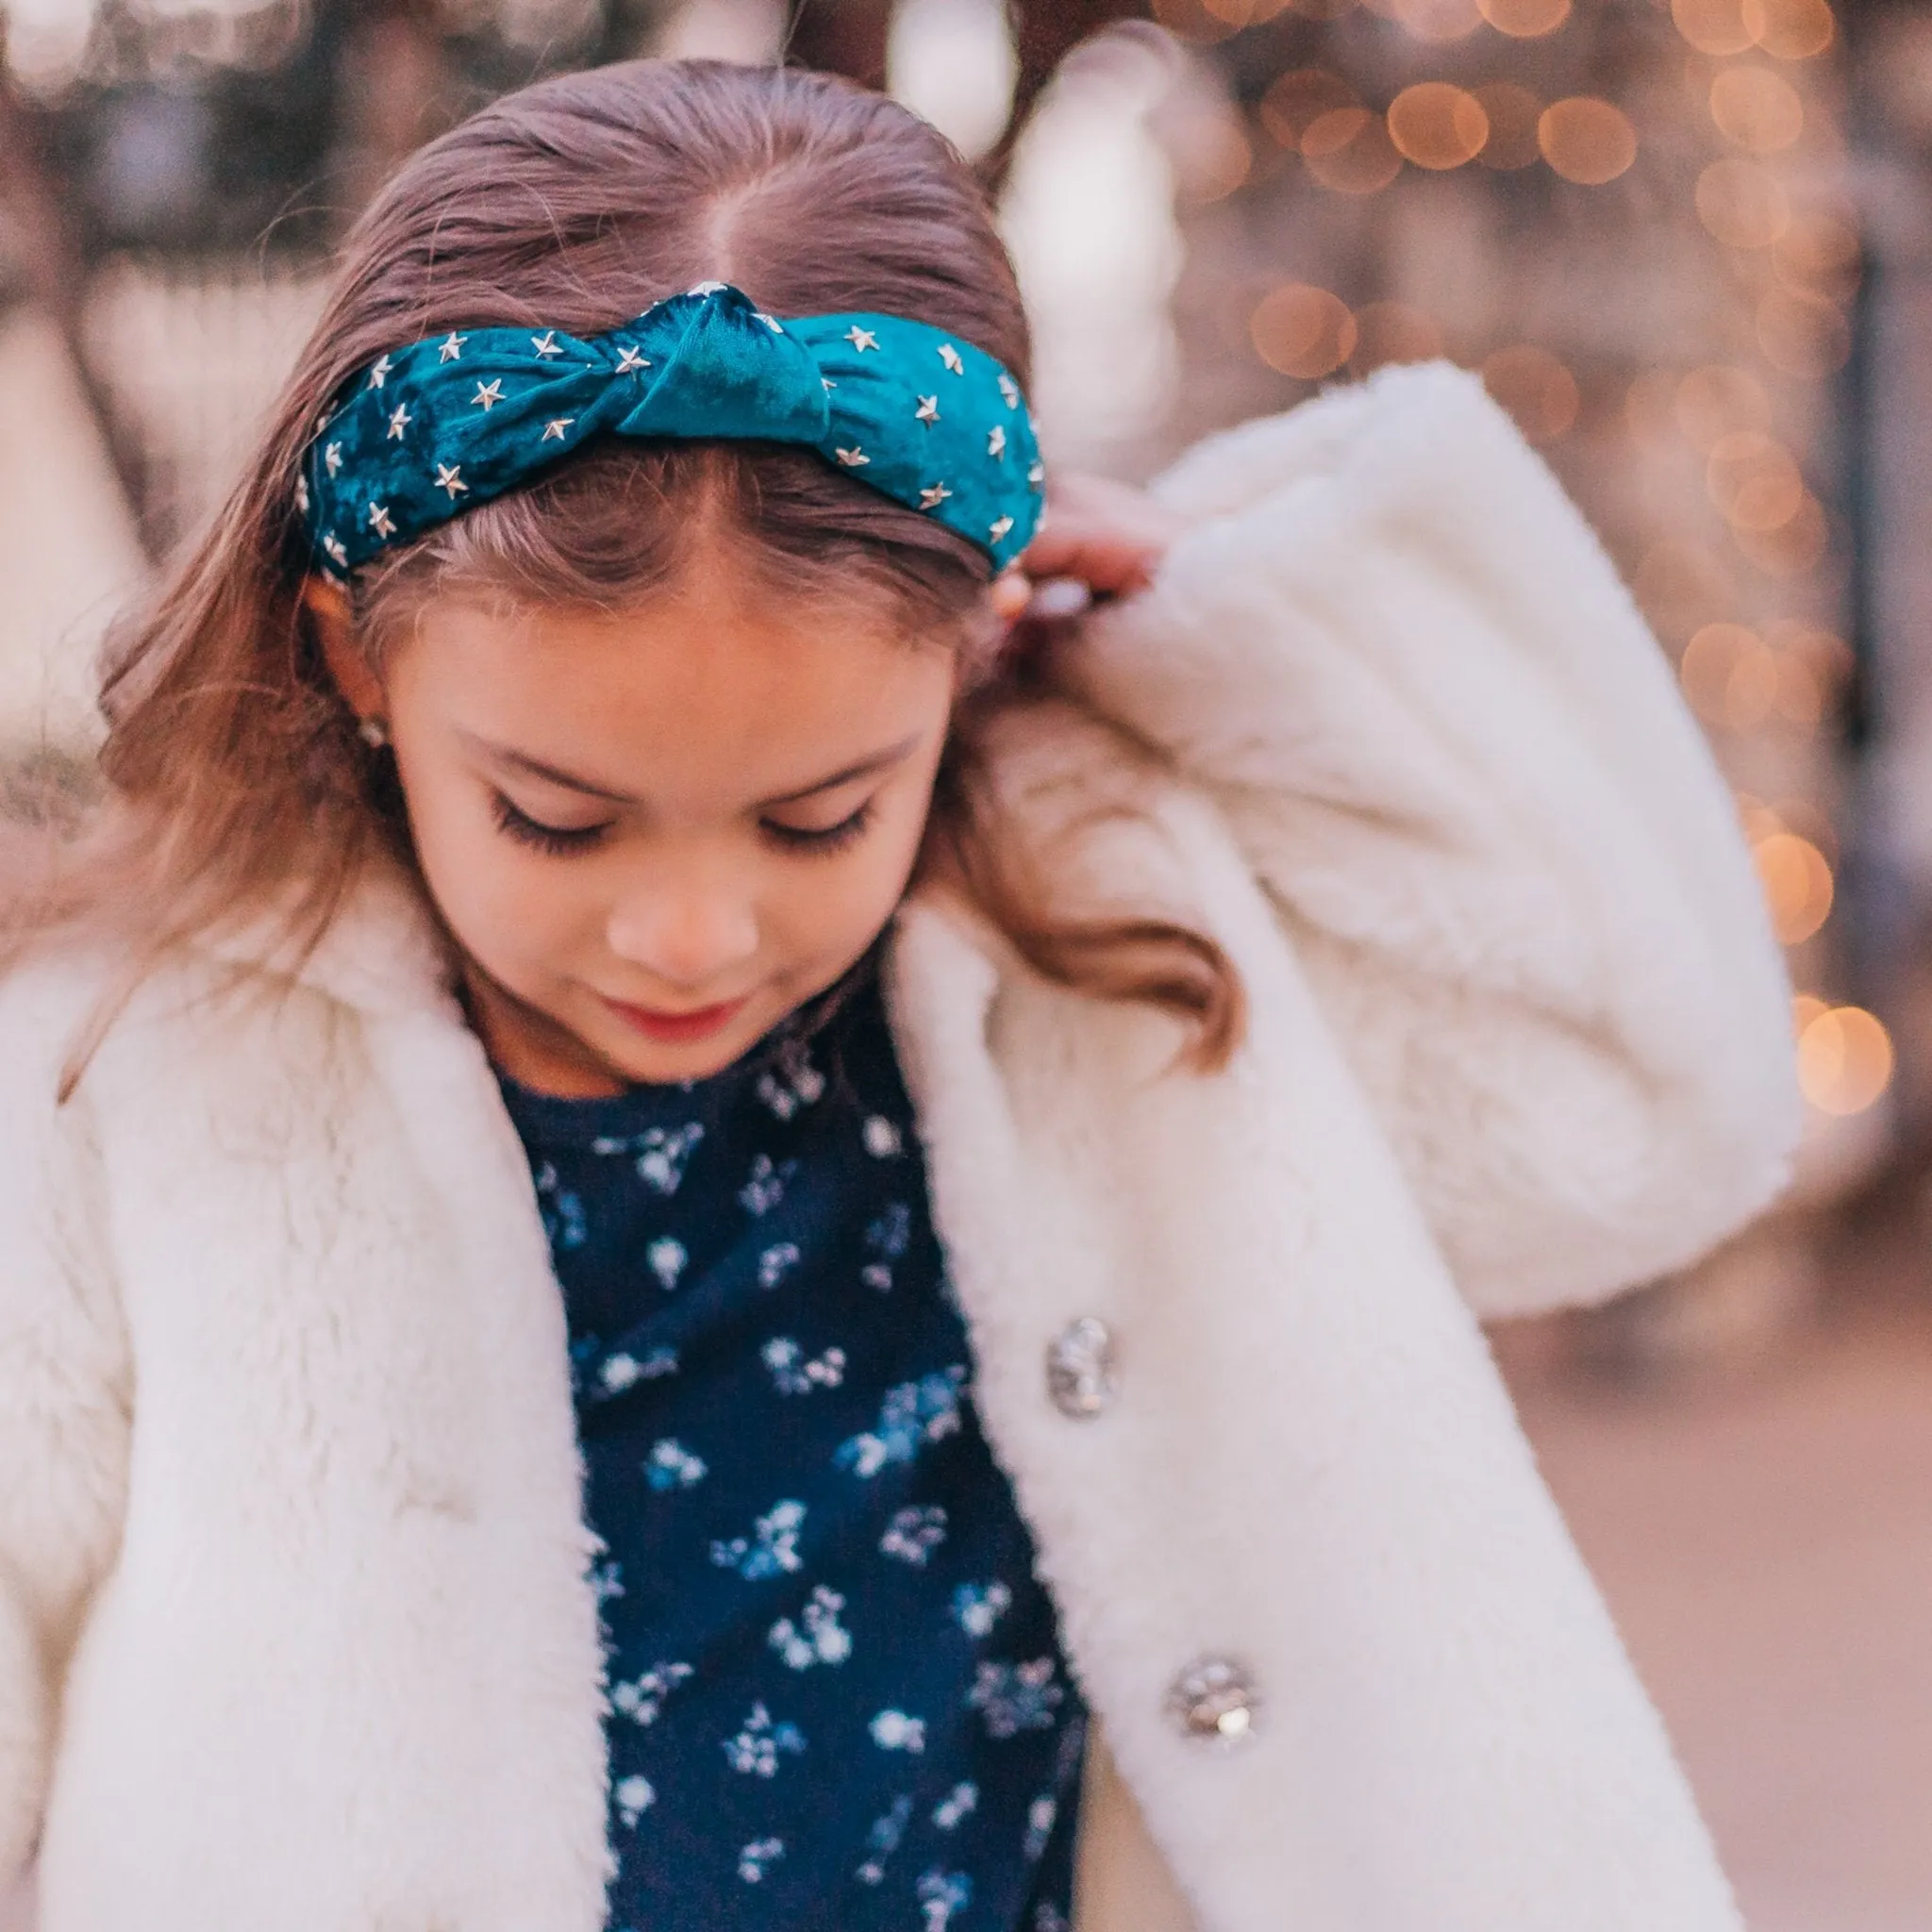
column 570, row 781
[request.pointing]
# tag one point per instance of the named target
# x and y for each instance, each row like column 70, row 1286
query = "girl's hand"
column 1099, row 539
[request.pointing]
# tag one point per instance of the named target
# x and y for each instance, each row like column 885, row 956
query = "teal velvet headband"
column 429, row 431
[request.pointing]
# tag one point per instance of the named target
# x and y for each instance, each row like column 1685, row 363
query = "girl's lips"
column 695, row 1025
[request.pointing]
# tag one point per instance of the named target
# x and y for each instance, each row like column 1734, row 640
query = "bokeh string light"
column 1844, row 1059
column 1731, row 145
column 1587, row 141
column 1525, row 20
column 1302, row 332
column 1437, row 125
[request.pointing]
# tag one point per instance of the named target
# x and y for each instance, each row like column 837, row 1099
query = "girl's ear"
column 328, row 606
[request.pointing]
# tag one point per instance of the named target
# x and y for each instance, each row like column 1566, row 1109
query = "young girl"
column 692, row 1231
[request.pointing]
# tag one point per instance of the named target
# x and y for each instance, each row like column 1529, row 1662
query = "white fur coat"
column 294, row 1631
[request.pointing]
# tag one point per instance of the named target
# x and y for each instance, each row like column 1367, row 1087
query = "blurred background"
column 1688, row 244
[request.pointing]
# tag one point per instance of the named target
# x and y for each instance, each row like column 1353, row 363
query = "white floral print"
column 913, row 1413
column 913, row 1534
column 641, row 1698
column 817, row 1637
column 842, row 1706
column 772, row 1548
column 956, row 1805
column 672, row 1466
column 1016, row 1697
column 892, row 1730
column 794, row 1376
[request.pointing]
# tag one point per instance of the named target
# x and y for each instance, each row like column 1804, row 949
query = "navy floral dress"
column 838, row 1696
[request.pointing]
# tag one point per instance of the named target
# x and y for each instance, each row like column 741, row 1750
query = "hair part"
column 237, row 788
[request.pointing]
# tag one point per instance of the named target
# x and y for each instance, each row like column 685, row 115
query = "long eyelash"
column 825, row 842
column 559, row 841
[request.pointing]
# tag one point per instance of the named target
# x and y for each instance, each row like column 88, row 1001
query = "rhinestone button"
column 1214, row 1700
column 1080, row 1373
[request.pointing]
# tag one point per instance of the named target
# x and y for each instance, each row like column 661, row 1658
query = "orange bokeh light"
column 1819, row 254
column 1437, row 125
column 1793, row 547
column 1525, row 20
column 1754, row 480
column 1302, row 330
column 1299, row 98
column 1797, row 885
column 1536, row 389
column 1729, row 675
column 1349, row 150
column 1845, row 1059
column 1790, row 29
column 1587, row 141
column 1713, row 27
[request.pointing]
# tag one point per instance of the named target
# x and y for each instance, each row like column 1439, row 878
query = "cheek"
column 819, row 909
column 502, row 904
column 844, row 903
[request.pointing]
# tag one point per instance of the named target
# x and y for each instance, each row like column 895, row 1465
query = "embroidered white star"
column 379, row 375
column 996, row 441
column 399, row 420
column 776, row 327
column 553, row 431
column 854, row 457
column 951, row 358
column 828, row 383
column 450, row 476
column 380, row 520
column 996, row 532
column 338, row 551
column 545, row 344
column 630, row 358
column 452, row 350
column 933, row 495
column 332, row 457
column 489, row 394
column 1010, row 390
column 1036, row 475
column 862, row 339
column 705, row 289
column 302, row 492
column 928, row 409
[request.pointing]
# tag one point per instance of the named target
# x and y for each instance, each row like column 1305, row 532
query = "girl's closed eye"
column 820, row 840
column 559, row 841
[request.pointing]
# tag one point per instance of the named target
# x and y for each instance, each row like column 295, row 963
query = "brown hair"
column 237, row 783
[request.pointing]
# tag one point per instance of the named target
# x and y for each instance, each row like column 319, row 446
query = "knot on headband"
column 428, row 431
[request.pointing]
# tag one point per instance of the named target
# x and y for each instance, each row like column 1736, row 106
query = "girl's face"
column 654, row 834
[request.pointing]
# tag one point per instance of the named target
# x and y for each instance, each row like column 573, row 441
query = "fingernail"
column 1058, row 598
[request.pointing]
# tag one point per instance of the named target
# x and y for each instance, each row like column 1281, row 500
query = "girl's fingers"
column 1058, row 599
column 1099, row 539
column 1108, row 535
column 1011, row 592
column 1110, row 561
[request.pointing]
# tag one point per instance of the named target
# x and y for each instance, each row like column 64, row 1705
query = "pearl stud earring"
column 373, row 733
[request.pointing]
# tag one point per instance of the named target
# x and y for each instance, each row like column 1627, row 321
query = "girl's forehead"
column 700, row 690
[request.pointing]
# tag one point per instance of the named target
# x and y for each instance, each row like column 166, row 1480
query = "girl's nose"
column 694, row 938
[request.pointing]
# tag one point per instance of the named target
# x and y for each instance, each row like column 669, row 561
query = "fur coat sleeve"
column 65, row 1394
column 1399, row 661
